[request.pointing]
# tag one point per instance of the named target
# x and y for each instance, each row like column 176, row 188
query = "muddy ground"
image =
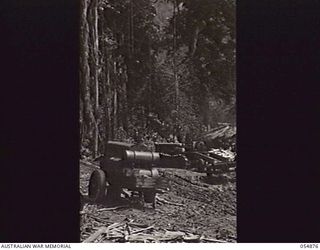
column 200, row 206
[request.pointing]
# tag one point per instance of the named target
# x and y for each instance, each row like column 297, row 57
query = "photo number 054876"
column 309, row 245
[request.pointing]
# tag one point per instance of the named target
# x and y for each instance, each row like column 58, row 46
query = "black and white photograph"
column 157, row 121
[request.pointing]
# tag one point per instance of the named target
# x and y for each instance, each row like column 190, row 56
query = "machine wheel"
column 97, row 186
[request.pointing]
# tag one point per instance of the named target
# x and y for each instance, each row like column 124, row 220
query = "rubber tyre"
column 97, row 186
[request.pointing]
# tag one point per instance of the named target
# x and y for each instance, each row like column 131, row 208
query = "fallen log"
column 100, row 220
column 110, row 208
column 89, row 164
column 168, row 202
column 138, row 224
column 213, row 240
column 171, row 238
column 168, row 236
column 142, row 230
column 102, row 230
column 174, row 233
column 198, row 184
column 116, row 230
column 141, row 238
column 191, row 238
column 219, row 157
column 95, row 235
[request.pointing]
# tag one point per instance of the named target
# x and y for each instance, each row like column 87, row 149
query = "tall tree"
column 169, row 59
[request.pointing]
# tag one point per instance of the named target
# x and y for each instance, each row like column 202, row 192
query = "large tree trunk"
column 94, row 67
column 104, row 81
column 107, row 103
column 89, row 66
column 115, row 111
column 123, row 80
column 85, row 94
column 176, row 82
column 95, row 73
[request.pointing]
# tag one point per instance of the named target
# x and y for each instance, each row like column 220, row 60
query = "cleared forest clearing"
column 190, row 211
